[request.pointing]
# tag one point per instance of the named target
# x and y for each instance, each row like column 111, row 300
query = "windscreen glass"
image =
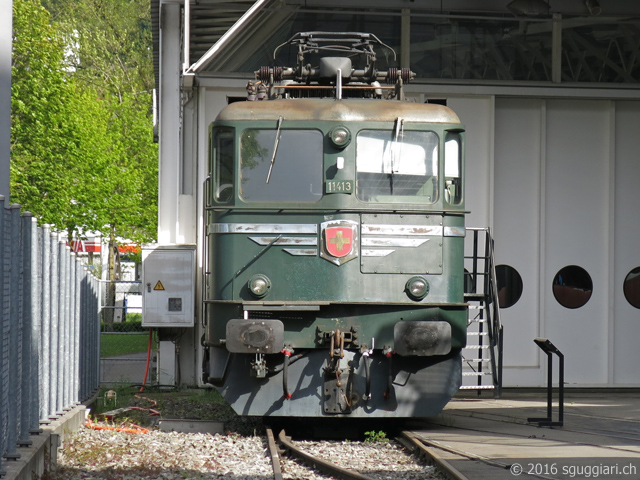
column 292, row 174
column 397, row 165
column 223, row 142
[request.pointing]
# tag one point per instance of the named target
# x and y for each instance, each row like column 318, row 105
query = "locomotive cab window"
column 395, row 165
column 453, row 168
column 222, row 168
column 280, row 165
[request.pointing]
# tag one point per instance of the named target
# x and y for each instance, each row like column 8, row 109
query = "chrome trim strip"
column 393, row 242
column 434, row 230
column 300, row 241
column 273, row 228
column 455, row 232
column 376, row 253
column 301, row 252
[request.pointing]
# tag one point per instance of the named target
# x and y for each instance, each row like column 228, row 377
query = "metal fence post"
column 96, row 331
column 4, row 290
column 82, row 350
column 62, row 276
column 76, row 332
column 73, row 359
column 54, row 296
column 27, row 285
column 14, row 363
column 68, row 339
column 36, row 327
column 45, row 339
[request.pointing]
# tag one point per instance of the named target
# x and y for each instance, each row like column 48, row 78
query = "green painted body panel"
column 284, row 240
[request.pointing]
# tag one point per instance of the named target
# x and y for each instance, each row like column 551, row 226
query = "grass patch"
column 124, row 343
column 199, row 404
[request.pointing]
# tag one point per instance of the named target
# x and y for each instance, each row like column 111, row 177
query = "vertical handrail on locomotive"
column 278, row 82
column 283, row 301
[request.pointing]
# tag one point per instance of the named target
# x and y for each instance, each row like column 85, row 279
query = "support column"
column 6, row 29
column 405, row 38
column 170, row 123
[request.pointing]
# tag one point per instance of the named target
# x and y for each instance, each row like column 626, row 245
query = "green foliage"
column 42, row 136
column 375, row 437
column 82, row 149
column 109, row 43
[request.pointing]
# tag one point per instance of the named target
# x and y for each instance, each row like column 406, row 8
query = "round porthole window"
column 631, row 287
column 572, row 286
column 509, row 285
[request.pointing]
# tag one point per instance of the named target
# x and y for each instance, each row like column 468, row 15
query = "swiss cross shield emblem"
column 339, row 241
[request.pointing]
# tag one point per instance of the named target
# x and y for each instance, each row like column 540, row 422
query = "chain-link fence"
column 125, row 358
column 121, row 304
column 49, row 329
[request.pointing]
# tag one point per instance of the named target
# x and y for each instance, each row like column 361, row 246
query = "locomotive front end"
column 334, row 255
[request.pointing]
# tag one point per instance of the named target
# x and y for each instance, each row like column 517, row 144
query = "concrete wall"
column 36, row 459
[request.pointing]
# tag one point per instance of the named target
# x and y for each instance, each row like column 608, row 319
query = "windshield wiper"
column 275, row 149
column 399, row 132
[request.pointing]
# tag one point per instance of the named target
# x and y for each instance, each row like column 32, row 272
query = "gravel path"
column 111, row 455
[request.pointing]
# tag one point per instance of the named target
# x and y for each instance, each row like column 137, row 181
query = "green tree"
column 79, row 162
column 109, row 45
column 83, row 156
column 43, row 140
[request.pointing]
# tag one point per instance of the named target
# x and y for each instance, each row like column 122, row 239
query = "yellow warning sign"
column 159, row 286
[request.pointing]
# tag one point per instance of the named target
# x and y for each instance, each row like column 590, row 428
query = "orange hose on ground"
column 146, row 370
column 137, row 429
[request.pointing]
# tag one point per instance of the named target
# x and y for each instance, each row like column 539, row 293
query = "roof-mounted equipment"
column 334, row 74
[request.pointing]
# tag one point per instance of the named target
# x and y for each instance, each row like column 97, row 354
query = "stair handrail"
column 496, row 323
column 490, row 293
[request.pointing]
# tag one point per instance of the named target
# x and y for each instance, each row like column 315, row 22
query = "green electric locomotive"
column 334, row 227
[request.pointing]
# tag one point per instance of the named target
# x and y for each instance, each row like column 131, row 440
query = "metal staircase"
column 482, row 357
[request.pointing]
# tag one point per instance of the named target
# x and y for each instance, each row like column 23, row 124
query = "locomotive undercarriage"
column 413, row 370
column 419, row 387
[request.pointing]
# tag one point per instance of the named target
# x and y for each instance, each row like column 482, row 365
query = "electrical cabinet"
column 168, row 285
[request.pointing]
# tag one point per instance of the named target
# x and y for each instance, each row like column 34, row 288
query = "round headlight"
column 259, row 285
column 417, row 288
column 340, row 136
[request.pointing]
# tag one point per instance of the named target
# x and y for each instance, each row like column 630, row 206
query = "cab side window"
column 223, row 165
column 453, row 168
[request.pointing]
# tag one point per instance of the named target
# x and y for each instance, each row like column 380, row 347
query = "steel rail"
column 322, row 465
column 461, row 453
column 274, row 454
column 414, row 443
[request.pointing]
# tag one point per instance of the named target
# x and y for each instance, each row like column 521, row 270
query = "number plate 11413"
column 339, row 186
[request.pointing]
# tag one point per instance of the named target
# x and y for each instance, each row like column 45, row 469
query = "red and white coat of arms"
column 339, row 241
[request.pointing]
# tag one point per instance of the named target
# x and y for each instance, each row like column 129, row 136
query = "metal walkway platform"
column 491, row 438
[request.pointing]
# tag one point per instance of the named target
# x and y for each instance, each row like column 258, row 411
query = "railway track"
column 277, row 445
column 452, row 463
column 420, row 448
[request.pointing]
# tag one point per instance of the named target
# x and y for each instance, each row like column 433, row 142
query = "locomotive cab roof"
column 340, row 111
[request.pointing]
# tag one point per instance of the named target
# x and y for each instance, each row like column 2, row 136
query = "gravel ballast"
column 113, row 455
